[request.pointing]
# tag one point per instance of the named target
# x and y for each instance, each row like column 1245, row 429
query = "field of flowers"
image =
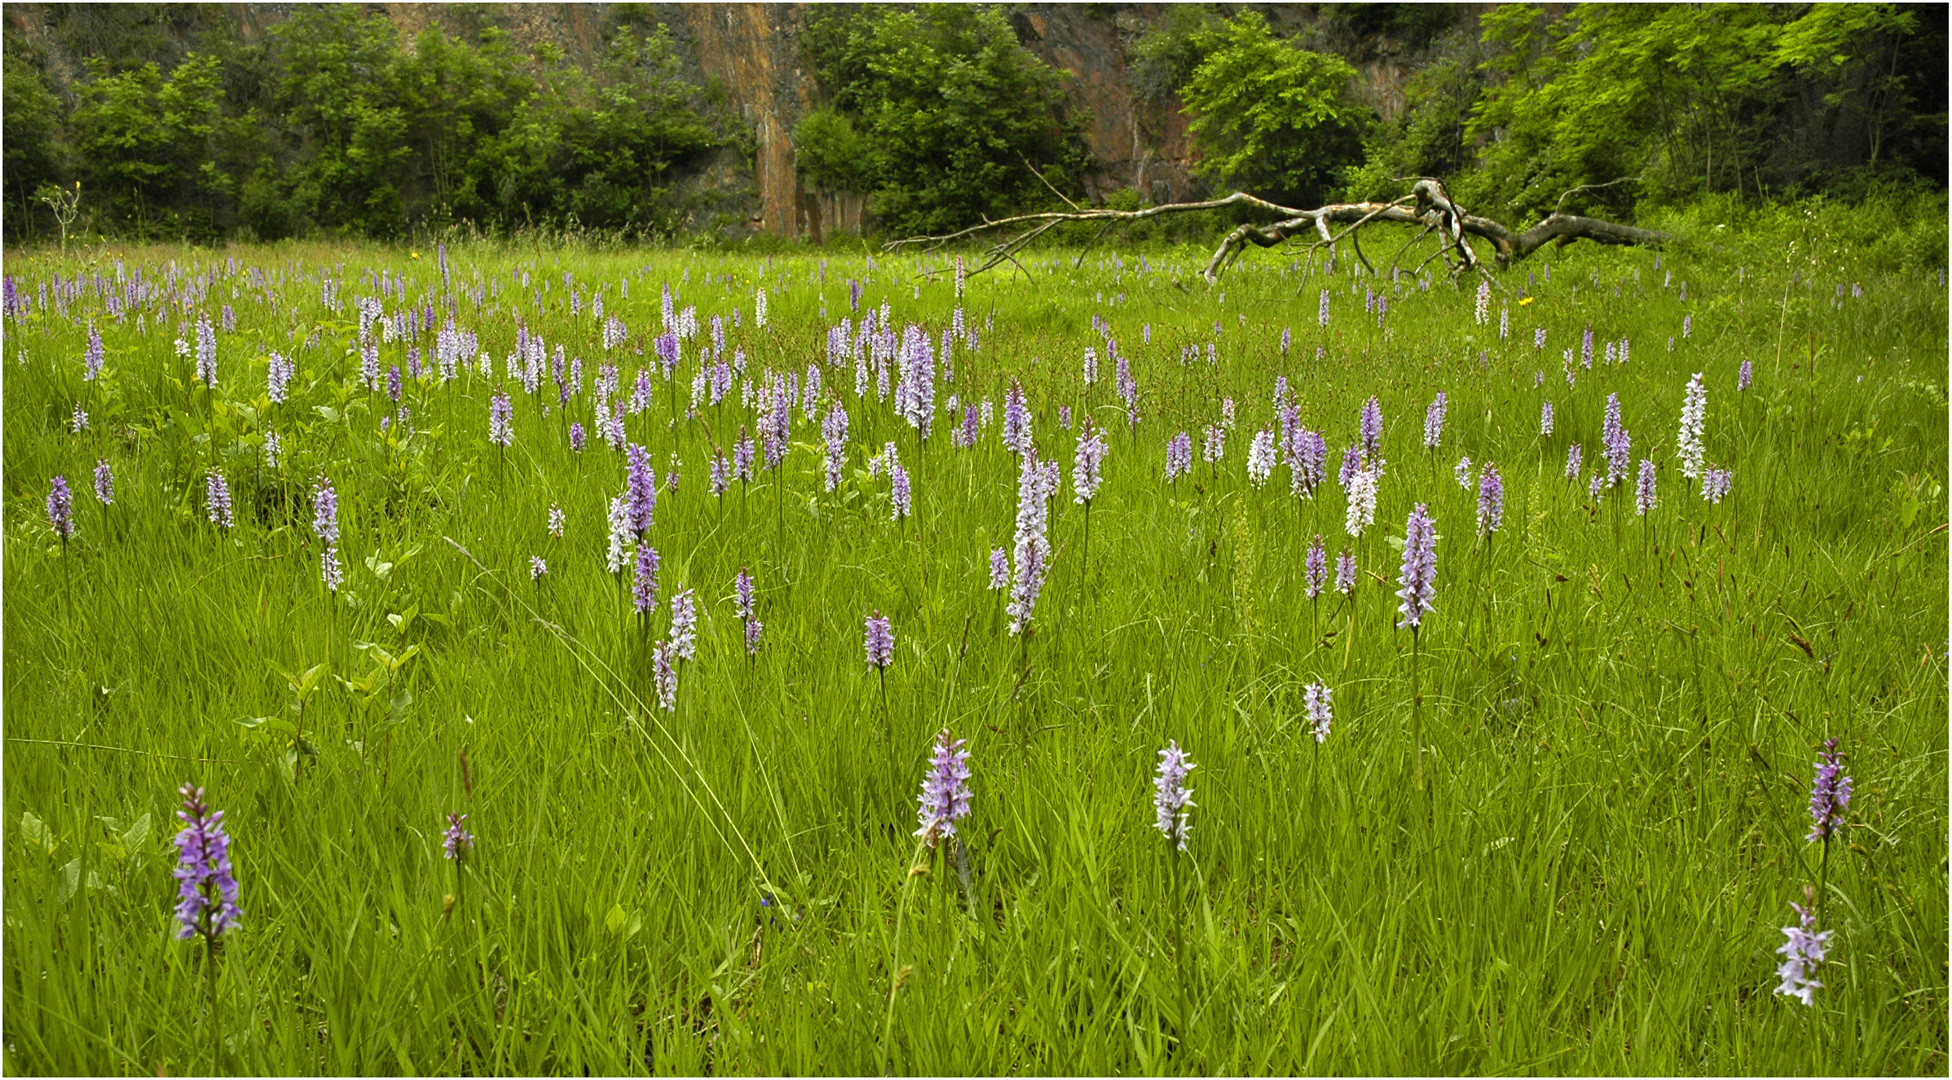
column 542, row 660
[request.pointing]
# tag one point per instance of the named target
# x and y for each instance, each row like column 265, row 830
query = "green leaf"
column 137, row 834
column 265, row 725
column 37, row 833
column 621, row 922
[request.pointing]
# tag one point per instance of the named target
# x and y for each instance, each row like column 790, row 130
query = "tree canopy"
column 935, row 112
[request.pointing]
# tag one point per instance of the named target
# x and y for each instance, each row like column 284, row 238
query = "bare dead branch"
column 1570, row 192
column 1428, row 206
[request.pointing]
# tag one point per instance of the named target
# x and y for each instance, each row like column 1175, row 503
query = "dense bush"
column 1680, row 101
column 330, row 125
column 1268, row 116
column 937, row 113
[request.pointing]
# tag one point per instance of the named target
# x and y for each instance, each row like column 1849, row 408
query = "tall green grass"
column 1621, row 712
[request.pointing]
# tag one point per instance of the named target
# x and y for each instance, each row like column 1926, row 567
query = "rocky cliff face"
column 752, row 52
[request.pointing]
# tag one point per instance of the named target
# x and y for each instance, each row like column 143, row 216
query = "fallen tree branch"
column 1428, row 207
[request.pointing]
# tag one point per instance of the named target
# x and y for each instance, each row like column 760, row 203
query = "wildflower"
column 1260, row 457
column 834, row 431
column 78, row 422
column 92, row 359
column 206, row 352
column 1362, row 501
column 1307, row 462
column 1688, row 443
column 1597, row 487
column 1315, row 698
column 60, row 509
column 640, row 489
column 1351, row 465
column 900, row 495
column 1213, row 443
column 325, row 512
column 1323, row 317
column 104, row 482
column 555, row 521
column 1586, row 349
column 1829, row 793
column 619, row 520
column 879, row 641
column 945, row 790
column 1484, row 301
column 665, row 675
column 206, row 890
column 1743, row 376
column 644, row 585
column 999, row 568
column 1687, row 325
column 501, row 431
column 216, row 492
column 1087, row 466
column 1345, row 574
column 1574, row 461
column 1419, row 574
column 1545, row 420
column 742, row 594
column 1619, row 452
column 1172, row 801
column 1032, row 553
column 1644, row 492
column 456, row 840
column 1463, row 473
column 1714, row 484
column 1316, row 569
column 1804, row 950
column 1016, row 420
column 1179, row 456
column 1491, row 500
column 1433, row 419
column 393, row 385
column 576, row 436
column 1372, row 428
column 278, row 377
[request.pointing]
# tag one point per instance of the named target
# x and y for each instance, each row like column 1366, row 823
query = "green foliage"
column 32, row 144
column 948, row 112
column 329, row 124
column 1686, row 97
column 146, row 144
column 830, row 153
column 1268, row 115
column 598, row 147
column 1429, row 139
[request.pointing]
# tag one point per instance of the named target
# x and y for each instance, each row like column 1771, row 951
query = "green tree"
column 939, row 109
column 456, row 97
column 145, row 144
column 600, row 147
column 32, row 141
column 1270, row 116
column 342, row 112
column 1688, row 98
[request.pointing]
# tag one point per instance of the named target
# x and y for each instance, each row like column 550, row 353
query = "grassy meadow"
column 1586, row 868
